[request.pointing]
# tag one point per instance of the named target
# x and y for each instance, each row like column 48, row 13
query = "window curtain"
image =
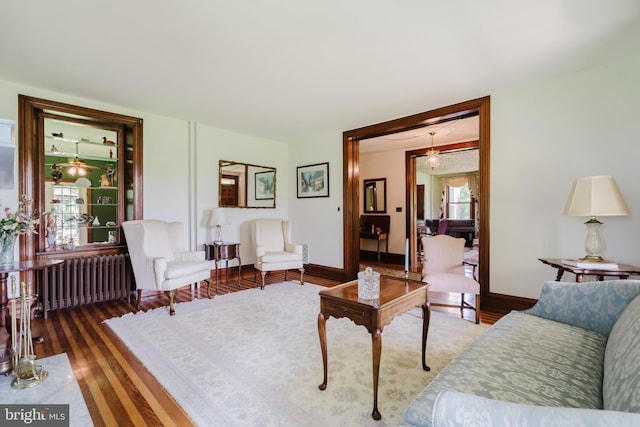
column 470, row 179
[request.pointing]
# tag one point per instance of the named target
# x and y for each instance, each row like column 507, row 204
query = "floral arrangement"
column 378, row 230
column 19, row 222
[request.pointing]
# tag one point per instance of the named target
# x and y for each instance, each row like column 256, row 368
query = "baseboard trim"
column 503, row 304
column 326, row 272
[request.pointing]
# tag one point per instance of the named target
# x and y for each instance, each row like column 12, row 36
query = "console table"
column 623, row 271
column 368, row 225
column 223, row 251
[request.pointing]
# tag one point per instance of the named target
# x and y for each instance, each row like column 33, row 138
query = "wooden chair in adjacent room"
column 443, row 268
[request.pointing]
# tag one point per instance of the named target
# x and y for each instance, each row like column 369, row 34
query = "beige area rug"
column 252, row 358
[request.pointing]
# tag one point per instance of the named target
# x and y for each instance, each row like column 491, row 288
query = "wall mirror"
column 375, row 195
column 243, row 185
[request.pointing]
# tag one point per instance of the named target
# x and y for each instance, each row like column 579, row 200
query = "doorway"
column 352, row 183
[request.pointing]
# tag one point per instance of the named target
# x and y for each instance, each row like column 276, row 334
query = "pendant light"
column 433, row 161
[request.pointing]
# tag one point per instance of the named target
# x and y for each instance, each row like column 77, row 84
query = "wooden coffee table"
column 397, row 296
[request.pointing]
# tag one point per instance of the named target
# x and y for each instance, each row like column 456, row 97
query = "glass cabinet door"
column 82, row 196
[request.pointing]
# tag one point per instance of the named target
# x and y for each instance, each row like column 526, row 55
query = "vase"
column 7, row 244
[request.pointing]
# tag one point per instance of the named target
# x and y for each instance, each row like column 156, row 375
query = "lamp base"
column 593, row 258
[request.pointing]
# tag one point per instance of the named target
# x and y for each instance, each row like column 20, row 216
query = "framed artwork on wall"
column 265, row 185
column 313, row 180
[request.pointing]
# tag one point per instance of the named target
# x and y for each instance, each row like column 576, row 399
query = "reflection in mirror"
column 80, row 189
column 375, row 195
column 243, row 185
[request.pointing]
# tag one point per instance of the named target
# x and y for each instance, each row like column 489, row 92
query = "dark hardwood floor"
column 117, row 389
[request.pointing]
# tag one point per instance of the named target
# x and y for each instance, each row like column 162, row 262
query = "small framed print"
column 313, row 180
column 265, row 185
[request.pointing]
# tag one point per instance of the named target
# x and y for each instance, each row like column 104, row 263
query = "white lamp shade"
column 595, row 196
column 217, row 218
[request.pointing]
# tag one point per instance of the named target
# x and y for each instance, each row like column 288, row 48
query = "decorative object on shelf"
column 96, row 222
column 54, row 149
column 13, row 224
column 110, row 224
column 368, row 284
column 85, row 219
column 50, row 231
column 313, row 180
column 111, row 175
column 83, row 182
column 57, row 134
column 25, row 370
column 56, row 173
column 595, row 196
column 217, row 219
column 112, row 236
column 104, row 181
column 432, row 161
column 106, row 141
column 110, row 154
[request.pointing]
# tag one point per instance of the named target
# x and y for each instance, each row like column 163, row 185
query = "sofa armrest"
column 591, row 305
column 455, row 409
column 260, row 251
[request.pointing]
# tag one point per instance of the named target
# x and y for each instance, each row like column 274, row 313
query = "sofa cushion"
column 454, row 409
column 523, row 359
column 601, row 303
column 621, row 385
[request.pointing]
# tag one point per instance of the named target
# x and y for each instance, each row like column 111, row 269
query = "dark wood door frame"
column 351, row 176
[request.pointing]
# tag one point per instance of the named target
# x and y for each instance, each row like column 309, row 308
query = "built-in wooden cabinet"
column 83, row 170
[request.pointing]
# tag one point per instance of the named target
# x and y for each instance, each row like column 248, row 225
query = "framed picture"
column 313, row 180
column 265, row 185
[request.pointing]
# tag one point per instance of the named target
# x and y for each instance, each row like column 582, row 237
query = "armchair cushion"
column 281, row 257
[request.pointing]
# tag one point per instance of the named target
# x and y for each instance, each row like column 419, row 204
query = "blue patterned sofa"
column 571, row 359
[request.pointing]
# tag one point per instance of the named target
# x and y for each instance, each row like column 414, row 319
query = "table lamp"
column 595, row 196
column 217, row 219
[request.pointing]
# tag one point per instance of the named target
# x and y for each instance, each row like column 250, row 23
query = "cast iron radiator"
column 85, row 280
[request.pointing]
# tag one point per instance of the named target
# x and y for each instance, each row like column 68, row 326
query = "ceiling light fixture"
column 433, row 161
column 76, row 166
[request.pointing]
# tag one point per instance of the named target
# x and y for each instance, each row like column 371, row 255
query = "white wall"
column 390, row 165
column 180, row 170
column 544, row 135
column 317, row 222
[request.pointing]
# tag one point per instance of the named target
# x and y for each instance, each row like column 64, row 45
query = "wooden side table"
column 223, row 251
column 397, row 296
column 623, row 271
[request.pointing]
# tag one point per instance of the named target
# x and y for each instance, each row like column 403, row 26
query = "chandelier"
column 433, row 161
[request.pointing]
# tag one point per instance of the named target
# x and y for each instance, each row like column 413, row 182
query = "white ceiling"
column 286, row 69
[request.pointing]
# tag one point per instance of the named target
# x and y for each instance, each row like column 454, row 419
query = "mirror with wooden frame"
column 83, row 169
column 375, row 195
column 243, row 185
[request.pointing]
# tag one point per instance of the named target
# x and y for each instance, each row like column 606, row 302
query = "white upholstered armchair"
column 443, row 268
column 274, row 250
column 159, row 259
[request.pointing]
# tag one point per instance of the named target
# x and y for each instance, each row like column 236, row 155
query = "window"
column 458, row 202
